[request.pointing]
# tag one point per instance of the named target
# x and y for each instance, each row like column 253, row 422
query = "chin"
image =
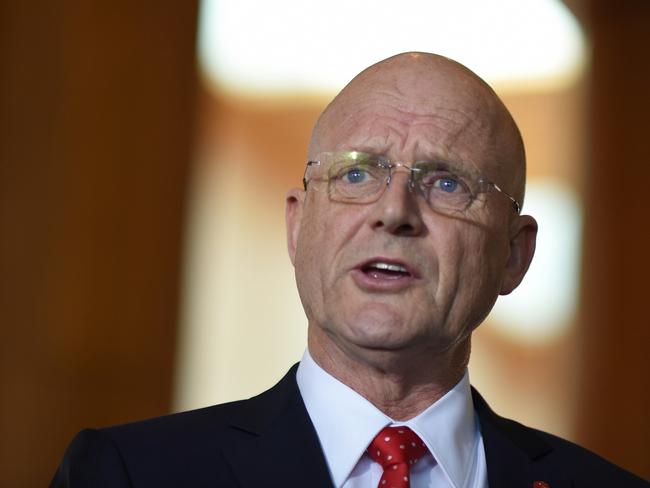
column 379, row 332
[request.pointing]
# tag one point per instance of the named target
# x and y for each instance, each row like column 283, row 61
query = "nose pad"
column 411, row 183
column 392, row 170
column 398, row 210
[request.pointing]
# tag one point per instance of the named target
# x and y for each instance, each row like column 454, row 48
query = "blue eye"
column 355, row 175
column 448, row 185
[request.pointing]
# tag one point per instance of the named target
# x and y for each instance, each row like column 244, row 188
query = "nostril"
column 404, row 229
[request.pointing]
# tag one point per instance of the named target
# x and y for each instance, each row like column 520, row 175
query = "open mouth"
column 383, row 270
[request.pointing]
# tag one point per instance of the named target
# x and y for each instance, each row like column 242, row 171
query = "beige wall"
column 614, row 394
column 96, row 117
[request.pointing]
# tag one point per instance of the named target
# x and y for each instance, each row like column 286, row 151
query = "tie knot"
column 396, row 445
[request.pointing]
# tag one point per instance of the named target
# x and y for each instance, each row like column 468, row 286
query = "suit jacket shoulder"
column 518, row 456
column 267, row 440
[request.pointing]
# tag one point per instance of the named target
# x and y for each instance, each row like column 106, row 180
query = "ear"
column 293, row 218
column 523, row 234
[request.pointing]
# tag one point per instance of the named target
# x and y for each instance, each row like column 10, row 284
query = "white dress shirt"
column 346, row 423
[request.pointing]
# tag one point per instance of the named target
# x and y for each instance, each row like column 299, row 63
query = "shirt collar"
column 450, row 429
column 346, row 423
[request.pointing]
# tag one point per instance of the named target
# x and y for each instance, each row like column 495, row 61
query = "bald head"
column 452, row 263
column 412, row 87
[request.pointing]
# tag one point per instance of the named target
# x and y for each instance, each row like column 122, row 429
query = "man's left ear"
column 293, row 217
column 523, row 234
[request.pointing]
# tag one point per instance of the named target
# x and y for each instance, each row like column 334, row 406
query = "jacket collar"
column 273, row 442
column 514, row 454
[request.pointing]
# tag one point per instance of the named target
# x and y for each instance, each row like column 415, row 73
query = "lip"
column 377, row 282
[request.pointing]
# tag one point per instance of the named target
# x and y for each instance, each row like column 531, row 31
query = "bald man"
column 407, row 228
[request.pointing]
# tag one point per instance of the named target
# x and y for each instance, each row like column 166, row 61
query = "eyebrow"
column 382, row 150
column 442, row 162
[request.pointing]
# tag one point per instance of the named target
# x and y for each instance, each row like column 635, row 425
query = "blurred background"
column 145, row 150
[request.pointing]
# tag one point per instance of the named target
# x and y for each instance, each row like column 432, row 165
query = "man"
column 407, row 229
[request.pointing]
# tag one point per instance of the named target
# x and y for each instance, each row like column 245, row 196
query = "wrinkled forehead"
column 411, row 126
column 418, row 114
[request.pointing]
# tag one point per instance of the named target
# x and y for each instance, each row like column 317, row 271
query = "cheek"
column 483, row 269
column 326, row 234
column 320, row 252
column 307, row 272
column 471, row 268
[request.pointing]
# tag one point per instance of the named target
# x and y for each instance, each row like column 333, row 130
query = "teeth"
column 389, row 267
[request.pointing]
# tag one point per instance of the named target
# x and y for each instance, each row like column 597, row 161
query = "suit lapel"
column 514, row 454
column 272, row 442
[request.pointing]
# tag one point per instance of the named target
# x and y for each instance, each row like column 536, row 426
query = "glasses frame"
column 392, row 165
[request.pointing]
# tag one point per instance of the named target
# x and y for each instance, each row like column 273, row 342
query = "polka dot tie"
column 396, row 449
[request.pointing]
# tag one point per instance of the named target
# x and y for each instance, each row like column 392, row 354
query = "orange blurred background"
column 105, row 125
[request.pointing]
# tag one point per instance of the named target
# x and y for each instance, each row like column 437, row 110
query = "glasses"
column 358, row 177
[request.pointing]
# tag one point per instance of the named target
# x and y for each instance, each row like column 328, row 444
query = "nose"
column 398, row 210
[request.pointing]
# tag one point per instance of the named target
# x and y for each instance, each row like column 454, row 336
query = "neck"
column 401, row 383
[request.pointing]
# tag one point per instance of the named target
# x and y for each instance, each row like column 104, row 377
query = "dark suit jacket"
column 269, row 441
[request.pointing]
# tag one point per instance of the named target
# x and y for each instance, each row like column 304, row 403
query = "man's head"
column 392, row 275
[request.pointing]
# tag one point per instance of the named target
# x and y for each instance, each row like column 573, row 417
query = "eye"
column 355, row 175
column 447, row 184
column 443, row 181
column 446, row 188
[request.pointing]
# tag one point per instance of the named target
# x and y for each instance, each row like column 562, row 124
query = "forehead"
column 412, row 126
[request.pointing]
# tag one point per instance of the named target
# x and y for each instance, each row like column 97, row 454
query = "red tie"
column 396, row 449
